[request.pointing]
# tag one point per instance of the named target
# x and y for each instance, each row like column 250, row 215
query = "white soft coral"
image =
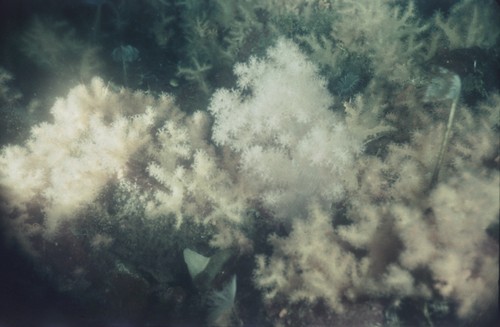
column 294, row 148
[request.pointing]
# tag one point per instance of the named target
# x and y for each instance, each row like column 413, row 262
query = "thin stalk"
column 444, row 142
column 97, row 23
column 125, row 77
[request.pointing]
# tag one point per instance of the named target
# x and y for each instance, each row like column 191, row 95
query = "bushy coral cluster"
column 99, row 136
column 330, row 199
column 292, row 147
column 66, row 163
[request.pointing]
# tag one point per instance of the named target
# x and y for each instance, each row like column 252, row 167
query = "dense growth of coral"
column 311, row 163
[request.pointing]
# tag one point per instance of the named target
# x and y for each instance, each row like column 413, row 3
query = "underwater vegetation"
column 250, row 163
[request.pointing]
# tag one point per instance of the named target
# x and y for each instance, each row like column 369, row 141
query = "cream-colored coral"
column 193, row 185
column 54, row 45
column 469, row 24
column 385, row 32
column 401, row 225
column 310, row 264
column 92, row 140
column 292, row 146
